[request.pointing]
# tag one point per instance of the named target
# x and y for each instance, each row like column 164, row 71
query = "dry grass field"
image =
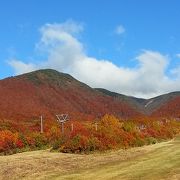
column 159, row 161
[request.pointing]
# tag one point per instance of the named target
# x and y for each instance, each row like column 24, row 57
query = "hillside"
column 169, row 109
column 167, row 105
column 48, row 92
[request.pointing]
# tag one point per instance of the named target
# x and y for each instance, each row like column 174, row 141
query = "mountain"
column 137, row 103
column 170, row 106
column 167, row 105
column 49, row 92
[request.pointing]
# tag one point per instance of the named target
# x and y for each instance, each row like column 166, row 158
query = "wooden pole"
column 62, row 127
column 41, row 124
column 72, row 127
column 96, row 126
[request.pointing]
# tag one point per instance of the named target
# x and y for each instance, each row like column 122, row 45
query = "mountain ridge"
column 145, row 105
column 49, row 92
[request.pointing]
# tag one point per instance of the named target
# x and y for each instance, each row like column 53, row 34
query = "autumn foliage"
column 108, row 132
column 10, row 141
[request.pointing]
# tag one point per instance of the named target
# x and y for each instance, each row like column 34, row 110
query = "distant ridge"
column 154, row 106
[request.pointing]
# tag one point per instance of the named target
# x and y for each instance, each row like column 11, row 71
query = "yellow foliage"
column 110, row 121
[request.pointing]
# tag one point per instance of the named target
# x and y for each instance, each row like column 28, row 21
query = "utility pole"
column 96, row 126
column 96, row 123
column 62, row 118
column 72, row 127
column 41, row 124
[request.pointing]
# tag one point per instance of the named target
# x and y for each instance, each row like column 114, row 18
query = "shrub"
column 39, row 140
column 151, row 140
column 139, row 142
column 77, row 144
column 93, row 144
column 9, row 142
column 129, row 126
column 53, row 134
column 57, row 143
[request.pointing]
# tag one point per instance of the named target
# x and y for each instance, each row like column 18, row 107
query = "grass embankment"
column 159, row 161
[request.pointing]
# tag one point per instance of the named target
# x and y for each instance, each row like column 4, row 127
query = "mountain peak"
column 48, row 76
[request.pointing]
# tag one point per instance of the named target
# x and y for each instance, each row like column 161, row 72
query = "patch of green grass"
column 163, row 162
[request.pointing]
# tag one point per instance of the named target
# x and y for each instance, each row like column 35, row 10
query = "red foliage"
column 111, row 132
column 169, row 110
column 9, row 141
column 19, row 144
column 80, row 129
column 28, row 97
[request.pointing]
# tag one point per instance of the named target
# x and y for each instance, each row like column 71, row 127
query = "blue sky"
column 104, row 43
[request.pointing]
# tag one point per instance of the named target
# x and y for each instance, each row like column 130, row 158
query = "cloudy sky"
column 130, row 47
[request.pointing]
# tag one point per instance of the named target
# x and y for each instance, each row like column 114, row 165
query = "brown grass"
column 159, row 161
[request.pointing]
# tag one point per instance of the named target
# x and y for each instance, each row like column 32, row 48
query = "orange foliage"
column 9, row 141
column 105, row 133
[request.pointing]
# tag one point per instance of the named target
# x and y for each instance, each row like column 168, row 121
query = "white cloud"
column 176, row 72
column 66, row 53
column 120, row 30
column 178, row 55
column 21, row 67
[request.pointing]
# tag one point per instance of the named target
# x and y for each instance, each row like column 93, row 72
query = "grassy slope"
column 159, row 161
